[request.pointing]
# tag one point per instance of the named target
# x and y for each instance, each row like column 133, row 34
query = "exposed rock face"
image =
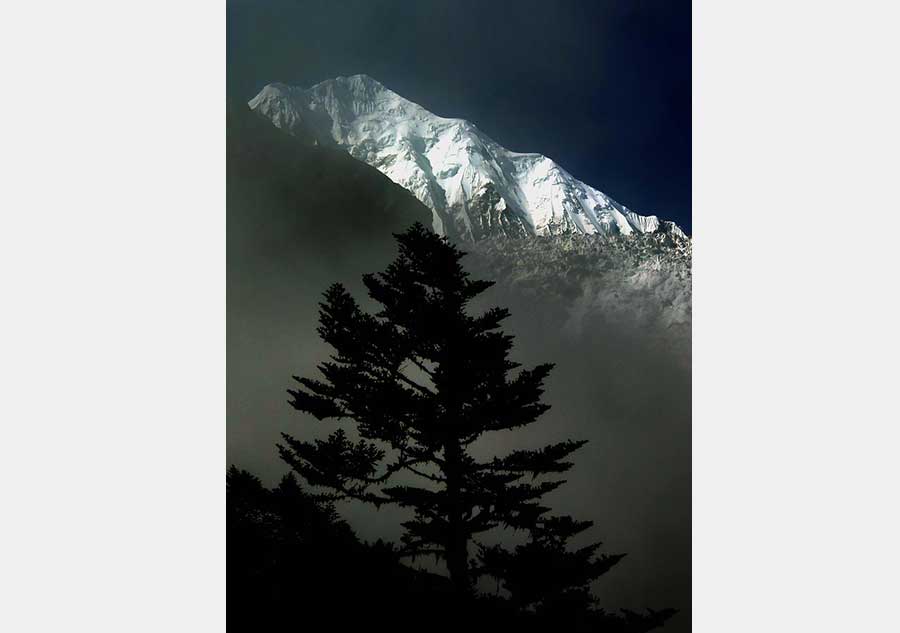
column 576, row 283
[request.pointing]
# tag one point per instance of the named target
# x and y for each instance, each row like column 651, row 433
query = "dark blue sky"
column 603, row 88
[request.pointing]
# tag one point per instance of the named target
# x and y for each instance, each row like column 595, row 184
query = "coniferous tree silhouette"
column 291, row 560
column 544, row 572
column 422, row 379
column 552, row 580
column 271, row 530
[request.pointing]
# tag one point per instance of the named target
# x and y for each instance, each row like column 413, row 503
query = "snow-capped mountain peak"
column 474, row 187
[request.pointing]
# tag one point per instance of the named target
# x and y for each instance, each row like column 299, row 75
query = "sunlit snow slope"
column 474, row 187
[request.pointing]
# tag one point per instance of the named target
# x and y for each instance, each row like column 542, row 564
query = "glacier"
column 475, row 188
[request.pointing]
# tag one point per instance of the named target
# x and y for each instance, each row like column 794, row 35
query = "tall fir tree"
column 422, row 379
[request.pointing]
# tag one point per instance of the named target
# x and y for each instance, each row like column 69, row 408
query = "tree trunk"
column 457, row 538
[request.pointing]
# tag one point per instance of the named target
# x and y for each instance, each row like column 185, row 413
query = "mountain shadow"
column 290, row 201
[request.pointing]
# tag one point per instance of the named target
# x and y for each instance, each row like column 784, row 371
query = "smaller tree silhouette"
column 544, row 572
column 552, row 580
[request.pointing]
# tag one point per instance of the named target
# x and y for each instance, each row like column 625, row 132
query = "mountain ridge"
column 475, row 187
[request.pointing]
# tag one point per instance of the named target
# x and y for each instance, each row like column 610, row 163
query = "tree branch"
column 413, row 384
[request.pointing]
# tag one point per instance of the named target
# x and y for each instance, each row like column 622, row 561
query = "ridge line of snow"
column 475, row 187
